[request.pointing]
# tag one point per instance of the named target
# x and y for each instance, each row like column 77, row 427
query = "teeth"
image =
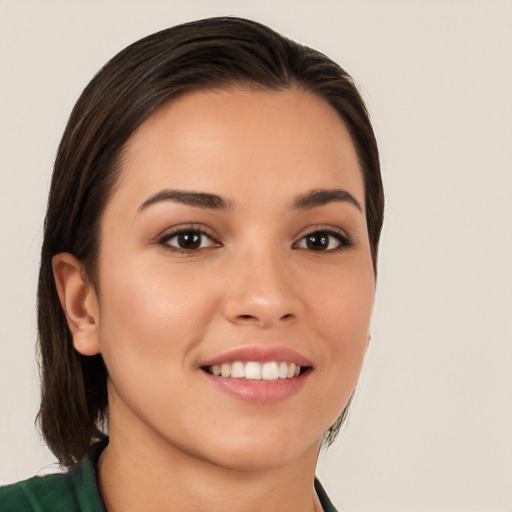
column 283, row 371
column 252, row 370
column 269, row 371
column 238, row 370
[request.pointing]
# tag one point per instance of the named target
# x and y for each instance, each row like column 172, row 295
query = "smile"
column 258, row 374
column 253, row 370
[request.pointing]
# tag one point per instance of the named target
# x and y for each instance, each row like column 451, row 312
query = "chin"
column 263, row 452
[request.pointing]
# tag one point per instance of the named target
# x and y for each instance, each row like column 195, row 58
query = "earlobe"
column 79, row 302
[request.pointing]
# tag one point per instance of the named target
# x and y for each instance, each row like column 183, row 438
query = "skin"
column 176, row 440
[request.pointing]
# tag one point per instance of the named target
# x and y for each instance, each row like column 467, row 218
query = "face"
column 235, row 242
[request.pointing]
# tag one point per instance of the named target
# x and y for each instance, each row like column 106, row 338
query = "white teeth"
column 238, row 370
column 253, row 371
column 271, row 370
column 225, row 370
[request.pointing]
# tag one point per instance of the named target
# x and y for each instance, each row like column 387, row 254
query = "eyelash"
column 192, row 229
column 344, row 242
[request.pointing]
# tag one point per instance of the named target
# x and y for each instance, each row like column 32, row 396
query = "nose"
column 262, row 291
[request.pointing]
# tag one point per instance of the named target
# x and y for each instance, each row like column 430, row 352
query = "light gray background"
column 431, row 429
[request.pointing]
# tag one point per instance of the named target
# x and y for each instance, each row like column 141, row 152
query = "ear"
column 79, row 302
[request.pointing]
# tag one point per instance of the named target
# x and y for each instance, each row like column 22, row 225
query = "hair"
column 214, row 53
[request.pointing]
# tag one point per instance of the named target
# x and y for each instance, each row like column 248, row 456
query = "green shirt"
column 76, row 490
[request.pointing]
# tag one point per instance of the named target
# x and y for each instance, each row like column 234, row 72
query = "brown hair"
column 208, row 54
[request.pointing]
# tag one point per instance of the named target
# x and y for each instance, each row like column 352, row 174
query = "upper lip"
column 261, row 355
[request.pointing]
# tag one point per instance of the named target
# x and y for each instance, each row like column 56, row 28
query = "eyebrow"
column 198, row 199
column 311, row 199
column 320, row 197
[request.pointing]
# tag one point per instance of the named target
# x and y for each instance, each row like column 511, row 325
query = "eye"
column 188, row 240
column 324, row 240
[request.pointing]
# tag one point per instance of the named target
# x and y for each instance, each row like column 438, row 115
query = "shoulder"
column 74, row 491
column 51, row 492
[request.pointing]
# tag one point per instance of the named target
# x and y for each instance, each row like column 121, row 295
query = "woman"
column 207, row 276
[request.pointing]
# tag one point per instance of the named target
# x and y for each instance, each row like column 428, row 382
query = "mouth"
column 254, row 370
column 259, row 375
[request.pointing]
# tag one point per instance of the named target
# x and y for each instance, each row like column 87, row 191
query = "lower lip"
column 259, row 391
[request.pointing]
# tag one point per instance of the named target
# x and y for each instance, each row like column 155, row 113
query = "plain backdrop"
column 431, row 427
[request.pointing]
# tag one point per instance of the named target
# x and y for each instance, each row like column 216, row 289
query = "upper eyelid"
column 184, row 228
column 321, row 227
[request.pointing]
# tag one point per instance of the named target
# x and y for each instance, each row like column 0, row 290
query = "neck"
column 140, row 470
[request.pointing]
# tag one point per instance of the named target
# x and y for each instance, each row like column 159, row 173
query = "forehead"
column 241, row 141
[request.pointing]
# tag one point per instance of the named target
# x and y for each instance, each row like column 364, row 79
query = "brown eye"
column 317, row 241
column 191, row 240
column 323, row 241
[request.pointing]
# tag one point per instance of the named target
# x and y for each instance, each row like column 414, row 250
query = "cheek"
column 345, row 300
column 153, row 315
column 151, row 322
column 343, row 312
